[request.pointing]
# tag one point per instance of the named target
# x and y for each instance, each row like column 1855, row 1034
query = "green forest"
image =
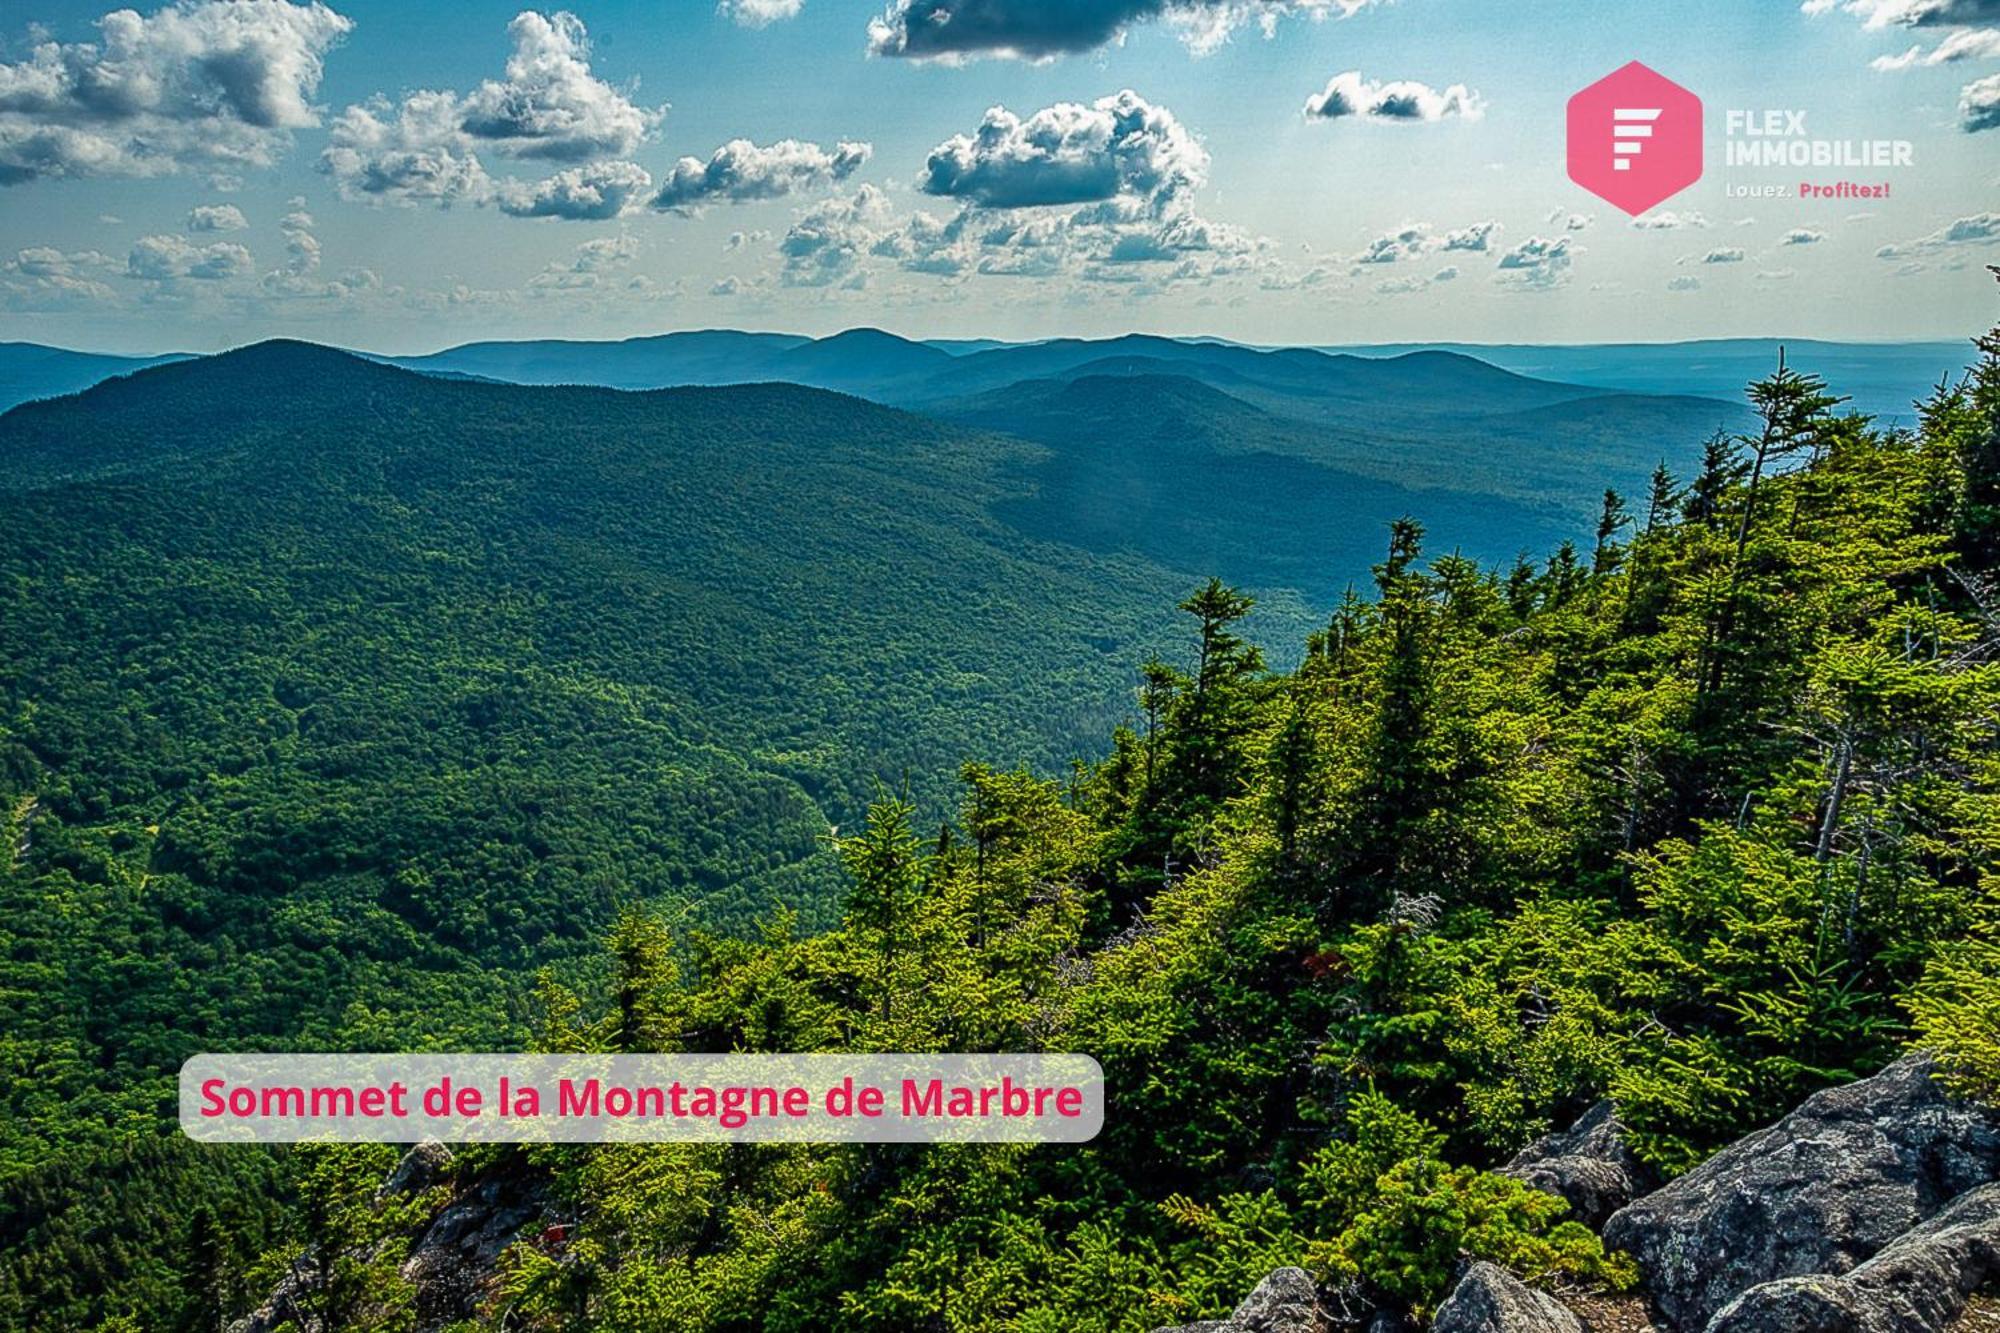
column 1699, row 812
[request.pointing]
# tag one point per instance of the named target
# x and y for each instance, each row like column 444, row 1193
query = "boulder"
column 1820, row 1192
column 1917, row 1284
column 1285, row 1302
column 1589, row 1165
column 423, row 1166
column 1489, row 1299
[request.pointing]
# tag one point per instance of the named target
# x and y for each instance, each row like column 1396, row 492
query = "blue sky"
column 260, row 168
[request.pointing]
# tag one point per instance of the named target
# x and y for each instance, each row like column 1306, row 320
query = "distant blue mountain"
column 29, row 371
column 1882, row 379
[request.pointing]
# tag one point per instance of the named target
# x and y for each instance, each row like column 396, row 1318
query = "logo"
column 1635, row 138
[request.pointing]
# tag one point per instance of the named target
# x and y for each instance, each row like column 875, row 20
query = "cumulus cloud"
column 1417, row 238
column 593, row 193
column 548, row 107
column 216, row 217
column 1474, row 237
column 1684, row 283
column 1970, row 44
column 1538, row 263
column 299, row 278
column 825, row 245
column 1727, row 254
column 1910, row 13
column 758, row 13
column 1416, row 282
column 208, row 83
column 412, row 152
column 1668, row 220
column 1098, row 193
column 1979, row 229
column 168, row 258
column 596, row 264
column 728, row 286
column 741, row 171
column 1803, row 236
column 1401, row 100
column 1119, row 146
column 1979, row 105
column 1569, row 221
column 956, row 30
column 1403, row 243
column 42, row 277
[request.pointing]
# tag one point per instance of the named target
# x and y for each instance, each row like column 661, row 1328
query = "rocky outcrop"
column 455, row 1257
column 452, row 1262
column 1819, row 1193
column 1917, row 1284
column 1489, row 1299
column 1285, row 1302
column 1589, row 1164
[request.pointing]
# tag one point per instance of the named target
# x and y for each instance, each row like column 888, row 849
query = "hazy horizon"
column 1277, row 172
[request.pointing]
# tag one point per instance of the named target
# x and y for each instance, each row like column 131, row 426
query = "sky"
column 401, row 177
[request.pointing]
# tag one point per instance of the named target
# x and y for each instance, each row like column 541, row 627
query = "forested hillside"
column 1698, row 812
column 335, row 699
column 1699, row 815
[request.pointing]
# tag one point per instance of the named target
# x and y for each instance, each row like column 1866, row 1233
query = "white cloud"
column 1404, row 243
column 1910, row 13
column 167, row 258
column 1474, row 237
column 216, row 217
column 300, row 278
column 1727, row 254
column 1803, row 236
column 42, row 277
column 1979, row 229
column 549, row 106
column 1102, row 192
column 1979, row 105
column 741, row 171
column 1684, row 283
column 1401, row 100
column 596, row 264
column 1668, row 220
column 211, row 83
column 824, row 247
column 593, row 193
column 1118, row 147
column 1969, row 44
column 413, row 152
column 758, row 13
column 956, row 30
column 1416, row 282
column 1538, row 263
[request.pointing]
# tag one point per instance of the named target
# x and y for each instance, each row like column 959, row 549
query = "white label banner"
column 642, row 1098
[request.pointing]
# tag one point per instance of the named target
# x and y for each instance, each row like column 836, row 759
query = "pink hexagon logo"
column 1635, row 138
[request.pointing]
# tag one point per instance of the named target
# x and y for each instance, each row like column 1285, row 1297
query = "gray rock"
column 1589, row 1165
column 1489, row 1299
column 456, row 1256
column 1285, row 1302
column 1819, row 1192
column 1917, row 1284
column 423, row 1166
